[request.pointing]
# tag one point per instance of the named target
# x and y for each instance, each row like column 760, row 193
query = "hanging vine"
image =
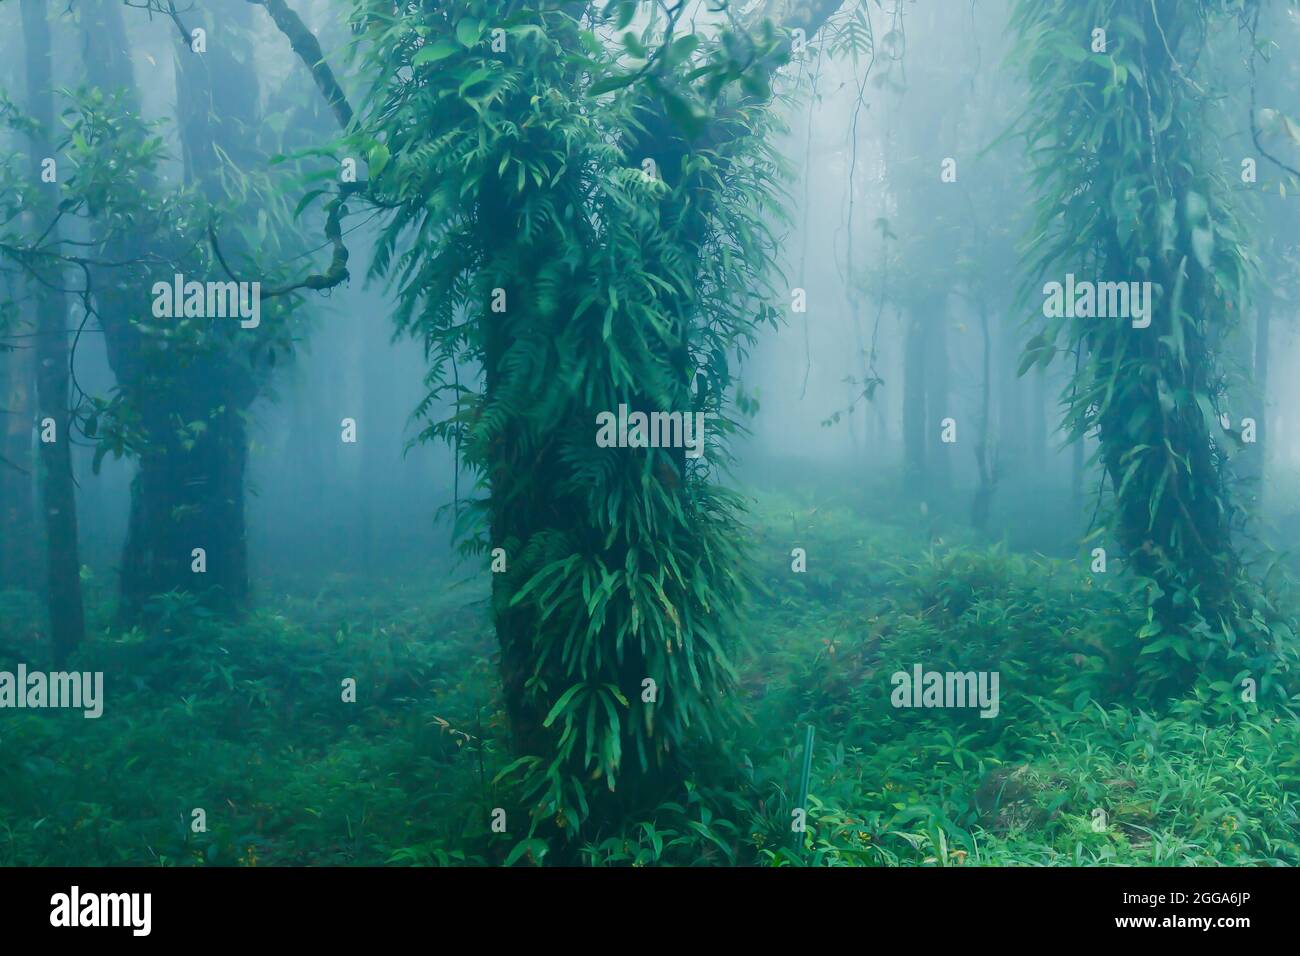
column 1123, row 127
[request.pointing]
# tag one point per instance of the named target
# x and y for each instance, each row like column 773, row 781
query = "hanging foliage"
column 563, row 263
column 1123, row 132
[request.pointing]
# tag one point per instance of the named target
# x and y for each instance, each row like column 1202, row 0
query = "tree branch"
column 305, row 44
column 336, row 274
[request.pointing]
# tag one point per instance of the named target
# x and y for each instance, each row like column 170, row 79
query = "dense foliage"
column 410, row 777
column 558, row 262
column 1132, row 187
column 577, row 213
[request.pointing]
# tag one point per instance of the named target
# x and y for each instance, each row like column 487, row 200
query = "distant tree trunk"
column 1011, row 404
column 18, row 559
column 985, row 454
column 185, row 499
column 188, row 493
column 374, row 468
column 1038, row 419
column 855, row 447
column 880, row 409
column 312, row 458
column 915, row 423
column 872, row 437
column 58, row 490
column 937, row 391
column 1077, row 469
column 1258, row 453
column 106, row 50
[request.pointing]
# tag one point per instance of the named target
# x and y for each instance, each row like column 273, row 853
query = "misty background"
column 871, row 238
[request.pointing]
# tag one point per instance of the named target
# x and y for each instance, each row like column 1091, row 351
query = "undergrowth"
column 247, row 723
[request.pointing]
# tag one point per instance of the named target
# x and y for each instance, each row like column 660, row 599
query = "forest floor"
column 247, row 724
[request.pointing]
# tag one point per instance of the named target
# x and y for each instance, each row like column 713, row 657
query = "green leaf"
column 538, row 847
column 1203, row 246
column 433, row 53
column 1196, row 208
column 682, row 48
column 468, row 31
column 478, row 76
column 306, row 200
column 560, row 704
column 611, row 83
column 378, row 158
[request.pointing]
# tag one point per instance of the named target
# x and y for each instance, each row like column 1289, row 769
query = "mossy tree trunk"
column 1148, row 201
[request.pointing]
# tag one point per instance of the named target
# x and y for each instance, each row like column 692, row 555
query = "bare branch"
column 307, row 47
column 336, row 274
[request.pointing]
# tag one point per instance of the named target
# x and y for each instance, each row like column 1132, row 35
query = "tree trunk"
column 1011, row 404
column 1039, row 423
column 915, row 420
column 935, row 315
column 374, row 469
column 1077, row 462
column 187, row 499
column 188, row 492
column 985, row 454
column 58, row 490
column 1257, row 454
column 18, row 558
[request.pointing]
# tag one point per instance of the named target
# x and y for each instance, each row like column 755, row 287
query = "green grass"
column 247, row 723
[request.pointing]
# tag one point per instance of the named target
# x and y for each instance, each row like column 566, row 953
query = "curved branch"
column 307, row 47
column 335, row 275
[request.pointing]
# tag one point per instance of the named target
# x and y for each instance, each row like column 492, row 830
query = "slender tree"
column 58, row 490
column 18, row 527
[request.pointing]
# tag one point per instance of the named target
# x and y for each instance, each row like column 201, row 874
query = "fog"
column 873, row 235
column 989, row 307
